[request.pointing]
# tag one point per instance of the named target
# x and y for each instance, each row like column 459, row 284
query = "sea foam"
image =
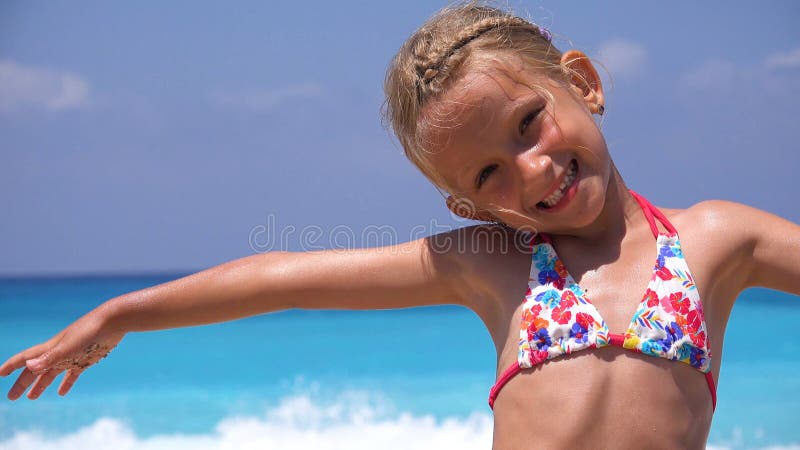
column 353, row 421
column 298, row 422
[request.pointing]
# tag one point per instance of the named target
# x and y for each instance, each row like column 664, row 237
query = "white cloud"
column 53, row 90
column 622, row 58
column 265, row 99
column 714, row 74
column 761, row 82
column 783, row 60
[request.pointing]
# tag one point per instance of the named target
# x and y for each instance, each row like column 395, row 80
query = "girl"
column 602, row 339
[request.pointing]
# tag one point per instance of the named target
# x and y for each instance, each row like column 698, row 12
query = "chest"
column 613, row 280
column 642, row 294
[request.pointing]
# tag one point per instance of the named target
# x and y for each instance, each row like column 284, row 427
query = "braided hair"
column 434, row 56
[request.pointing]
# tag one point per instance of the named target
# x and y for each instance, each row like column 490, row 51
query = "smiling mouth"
column 566, row 183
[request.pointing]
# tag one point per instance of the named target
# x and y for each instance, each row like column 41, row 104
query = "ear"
column 466, row 209
column 584, row 79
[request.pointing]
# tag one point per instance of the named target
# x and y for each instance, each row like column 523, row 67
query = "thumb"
column 40, row 362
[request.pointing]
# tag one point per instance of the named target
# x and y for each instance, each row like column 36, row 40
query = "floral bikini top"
column 558, row 318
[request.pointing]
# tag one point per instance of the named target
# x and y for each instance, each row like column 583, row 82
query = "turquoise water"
column 335, row 379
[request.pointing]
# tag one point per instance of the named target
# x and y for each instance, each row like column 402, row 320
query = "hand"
column 85, row 342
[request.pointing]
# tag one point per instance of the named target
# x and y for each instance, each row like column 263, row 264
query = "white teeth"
column 556, row 196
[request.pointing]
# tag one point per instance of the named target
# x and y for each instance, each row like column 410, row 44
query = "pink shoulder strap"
column 652, row 213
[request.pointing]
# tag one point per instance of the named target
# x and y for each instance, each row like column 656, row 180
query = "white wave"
column 296, row 423
column 771, row 447
column 736, row 441
column 352, row 420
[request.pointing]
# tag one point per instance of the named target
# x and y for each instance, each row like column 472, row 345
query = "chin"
column 594, row 206
column 587, row 207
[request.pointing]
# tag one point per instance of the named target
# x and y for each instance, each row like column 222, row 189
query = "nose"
column 535, row 173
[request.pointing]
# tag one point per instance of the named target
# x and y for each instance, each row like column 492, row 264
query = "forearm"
column 229, row 291
column 776, row 264
column 775, row 257
column 396, row 277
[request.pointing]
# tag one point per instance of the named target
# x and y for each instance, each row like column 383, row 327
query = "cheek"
column 572, row 125
column 499, row 191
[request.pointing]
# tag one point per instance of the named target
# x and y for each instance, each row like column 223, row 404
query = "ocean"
column 394, row 379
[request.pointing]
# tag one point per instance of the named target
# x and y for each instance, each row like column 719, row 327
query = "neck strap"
column 652, row 213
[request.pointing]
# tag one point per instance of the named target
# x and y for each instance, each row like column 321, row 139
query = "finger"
column 47, row 359
column 69, row 380
column 25, row 379
column 12, row 364
column 42, row 382
column 18, row 361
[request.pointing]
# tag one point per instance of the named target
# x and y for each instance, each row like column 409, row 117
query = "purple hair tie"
column 545, row 33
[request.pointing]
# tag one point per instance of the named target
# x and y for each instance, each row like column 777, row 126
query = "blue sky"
column 158, row 136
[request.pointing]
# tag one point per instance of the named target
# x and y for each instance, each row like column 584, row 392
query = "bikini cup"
column 558, row 318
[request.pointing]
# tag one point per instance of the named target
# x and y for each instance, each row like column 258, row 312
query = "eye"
column 484, row 174
column 528, row 119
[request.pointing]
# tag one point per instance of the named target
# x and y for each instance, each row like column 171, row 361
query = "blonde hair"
column 436, row 55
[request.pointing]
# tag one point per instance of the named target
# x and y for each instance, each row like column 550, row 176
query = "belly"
column 604, row 398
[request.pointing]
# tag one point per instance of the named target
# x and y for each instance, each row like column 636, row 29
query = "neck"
column 620, row 210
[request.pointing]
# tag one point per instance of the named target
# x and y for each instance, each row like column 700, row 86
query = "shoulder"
column 744, row 245
column 767, row 245
column 478, row 249
column 715, row 240
column 491, row 263
column 723, row 228
column 713, row 211
column 712, row 217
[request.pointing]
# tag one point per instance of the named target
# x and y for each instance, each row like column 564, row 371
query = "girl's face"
column 524, row 158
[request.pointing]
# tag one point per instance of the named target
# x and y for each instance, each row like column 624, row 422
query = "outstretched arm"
column 405, row 275
column 764, row 248
column 416, row 273
column 774, row 249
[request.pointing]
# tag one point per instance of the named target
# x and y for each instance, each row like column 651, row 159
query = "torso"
column 603, row 398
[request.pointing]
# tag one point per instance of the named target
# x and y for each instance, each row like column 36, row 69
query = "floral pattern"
column 558, row 318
